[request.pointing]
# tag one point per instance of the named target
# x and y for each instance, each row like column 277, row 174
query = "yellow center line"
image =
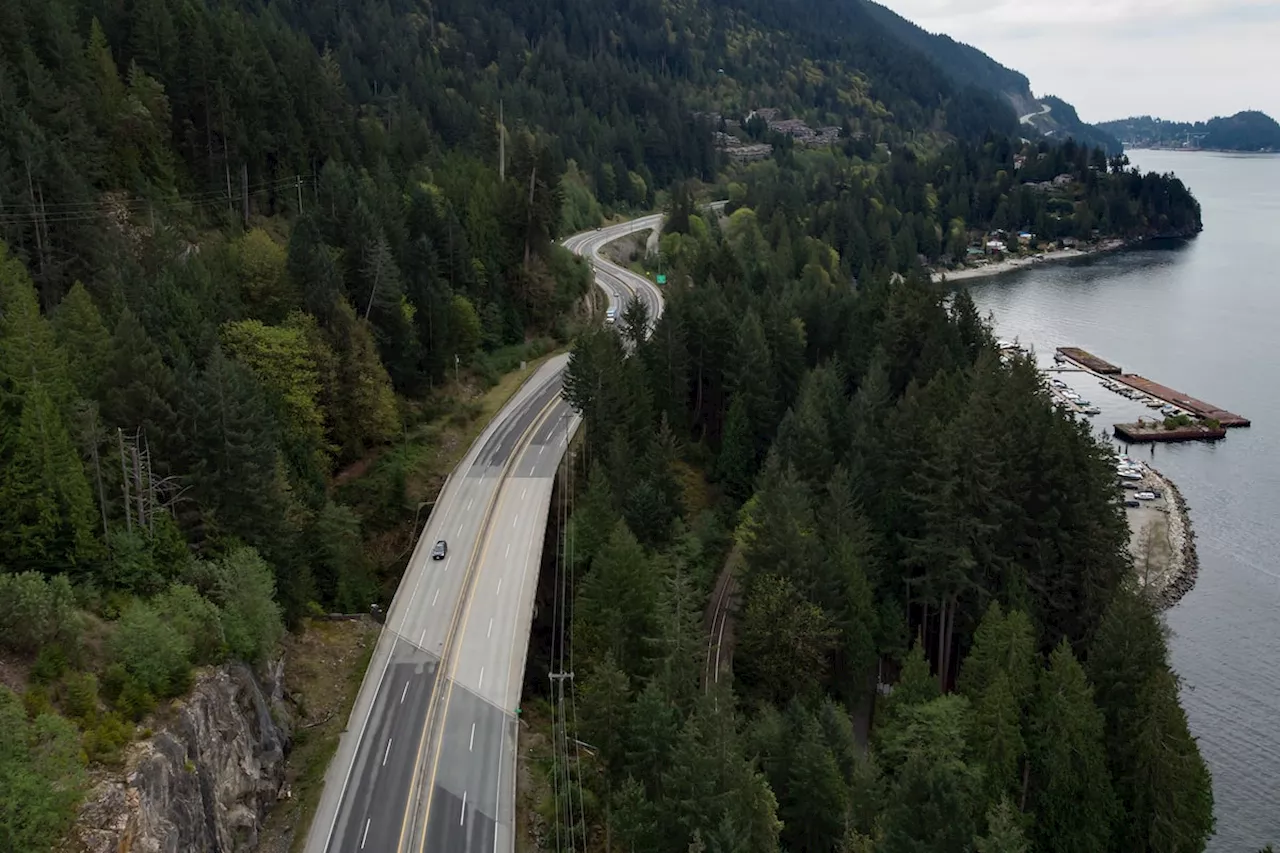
column 542, row 418
column 459, row 613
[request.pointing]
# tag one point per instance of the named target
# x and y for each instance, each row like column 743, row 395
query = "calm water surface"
column 1203, row 318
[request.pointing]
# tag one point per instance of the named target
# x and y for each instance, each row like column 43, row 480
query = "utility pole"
column 299, row 195
column 456, row 363
column 502, row 147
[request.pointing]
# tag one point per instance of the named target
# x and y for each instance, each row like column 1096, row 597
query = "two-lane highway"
column 428, row 760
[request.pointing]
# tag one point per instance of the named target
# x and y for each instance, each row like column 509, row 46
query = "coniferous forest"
column 250, row 250
column 895, row 503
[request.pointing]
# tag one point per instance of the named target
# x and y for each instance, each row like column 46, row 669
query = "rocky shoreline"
column 1186, row 560
column 1179, row 576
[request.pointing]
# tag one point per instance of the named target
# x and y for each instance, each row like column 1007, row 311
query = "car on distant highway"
column 611, row 315
column 1145, row 496
column 440, row 549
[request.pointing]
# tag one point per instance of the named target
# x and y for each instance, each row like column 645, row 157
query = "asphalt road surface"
column 427, row 762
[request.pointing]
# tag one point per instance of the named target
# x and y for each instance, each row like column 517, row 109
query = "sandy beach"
column 1161, row 541
column 1012, row 264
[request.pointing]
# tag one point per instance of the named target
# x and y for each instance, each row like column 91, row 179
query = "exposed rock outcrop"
column 205, row 781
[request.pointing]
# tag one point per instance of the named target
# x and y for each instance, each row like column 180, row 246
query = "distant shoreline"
column 1270, row 151
column 1009, row 265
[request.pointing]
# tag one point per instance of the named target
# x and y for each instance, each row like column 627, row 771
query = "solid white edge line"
column 346, row 782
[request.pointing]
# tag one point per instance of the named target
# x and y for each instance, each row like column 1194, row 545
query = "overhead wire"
column 556, row 764
column 60, row 212
column 572, row 604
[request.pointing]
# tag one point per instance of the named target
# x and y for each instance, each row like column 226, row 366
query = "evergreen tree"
column 1160, row 778
column 85, row 339
column 140, row 387
column 1004, row 831
column 47, row 516
column 935, row 793
column 29, row 353
column 1071, row 793
column 784, row 640
column 617, row 603
column 231, row 452
column 736, row 465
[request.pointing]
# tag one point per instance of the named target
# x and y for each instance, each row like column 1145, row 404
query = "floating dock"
column 1147, row 431
column 1089, row 360
column 1199, row 408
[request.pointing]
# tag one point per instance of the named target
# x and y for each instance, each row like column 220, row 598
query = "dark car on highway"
column 441, row 548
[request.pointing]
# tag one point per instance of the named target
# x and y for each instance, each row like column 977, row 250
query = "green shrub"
column 36, row 701
column 104, row 742
column 50, row 665
column 112, row 682
column 36, row 611
column 152, row 650
column 250, row 616
column 132, row 566
column 135, row 700
column 80, row 698
column 196, row 618
column 41, row 777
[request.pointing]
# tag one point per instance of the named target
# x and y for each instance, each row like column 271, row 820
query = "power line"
column 85, row 211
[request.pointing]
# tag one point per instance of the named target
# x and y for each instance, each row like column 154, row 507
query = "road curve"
column 619, row 284
column 427, row 761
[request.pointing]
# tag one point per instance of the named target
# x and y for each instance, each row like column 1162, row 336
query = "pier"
column 1089, row 361
column 1199, row 408
column 1195, row 407
column 1148, row 431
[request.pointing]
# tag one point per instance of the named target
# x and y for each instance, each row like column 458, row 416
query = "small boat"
column 1154, row 404
column 1129, row 475
column 1092, row 410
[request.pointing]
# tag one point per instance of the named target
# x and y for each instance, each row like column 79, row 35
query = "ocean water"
column 1204, row 318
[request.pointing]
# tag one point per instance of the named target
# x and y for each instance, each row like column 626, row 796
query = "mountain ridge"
column 1247, row 130
column 967, row 64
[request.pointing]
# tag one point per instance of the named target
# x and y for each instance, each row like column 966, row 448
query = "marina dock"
column 1199, row 408
column 1196, row 408
column 1147, row 431
column 1089, row 361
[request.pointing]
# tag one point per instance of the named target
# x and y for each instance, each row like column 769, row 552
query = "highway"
column 427, row 761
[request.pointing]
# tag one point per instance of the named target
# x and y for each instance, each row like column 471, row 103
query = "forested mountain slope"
column 1245, row 131
column 244, row 245
column 897, row 506
column 968, row 65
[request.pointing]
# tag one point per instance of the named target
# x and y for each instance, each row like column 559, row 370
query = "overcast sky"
column 1183, row 60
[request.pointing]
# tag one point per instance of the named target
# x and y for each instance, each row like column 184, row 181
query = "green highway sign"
column 662, row 279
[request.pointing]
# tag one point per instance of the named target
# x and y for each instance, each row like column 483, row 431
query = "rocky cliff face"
column 202, row 783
